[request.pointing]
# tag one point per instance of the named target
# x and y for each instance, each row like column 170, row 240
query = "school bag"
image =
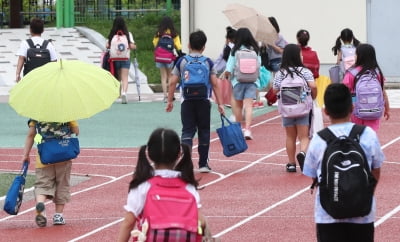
column 346, row 184
column 310, row 60
column 195, row 77
column 36, row 56
column 15, row 193
column 247, row 67
column 368, row 90
column 170, row 211
column 119, row 47
column 348, row 57
column 164, row 51
column 295, row 97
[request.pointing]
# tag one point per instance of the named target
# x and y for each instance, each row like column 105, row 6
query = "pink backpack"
column 247, row 67
column 295, row 97
column 170, row 211
column 119, row 47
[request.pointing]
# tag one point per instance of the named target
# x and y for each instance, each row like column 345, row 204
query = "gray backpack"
column 247, row 68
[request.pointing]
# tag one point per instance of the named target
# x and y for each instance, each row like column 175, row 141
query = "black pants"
column 195, row 116
column 345, row 232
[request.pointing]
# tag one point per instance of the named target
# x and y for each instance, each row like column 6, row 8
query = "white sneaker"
column 205, row 169
column 58, row 219
column 124, row 99
column 247, row 134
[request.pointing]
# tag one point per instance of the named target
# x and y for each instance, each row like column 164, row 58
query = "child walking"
column 338, row 106
column 345, row 47
column 366, row 62
column 166, row 159
column 196, row 93
column 243, row 92
column 295, row 127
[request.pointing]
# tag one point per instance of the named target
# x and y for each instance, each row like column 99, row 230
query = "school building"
column 372, row 21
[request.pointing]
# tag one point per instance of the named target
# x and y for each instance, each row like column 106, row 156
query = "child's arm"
column 126, row 227
column 171, row 89
column 387, row 106
column 29, row 143
column 214, row 83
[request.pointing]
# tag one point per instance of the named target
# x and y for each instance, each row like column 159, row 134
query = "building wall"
column 324, row 19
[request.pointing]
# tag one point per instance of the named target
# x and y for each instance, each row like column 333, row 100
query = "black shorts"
column 345, row 232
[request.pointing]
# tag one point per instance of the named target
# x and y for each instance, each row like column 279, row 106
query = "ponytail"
column 143, row 171
column 337, row 46
column 185, row 166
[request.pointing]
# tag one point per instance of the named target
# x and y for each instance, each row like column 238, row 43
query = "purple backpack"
column 295, row 97
column 369, row 103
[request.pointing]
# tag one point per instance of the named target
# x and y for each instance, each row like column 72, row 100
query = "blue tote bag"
column 58, row 150
column 15, row 193
column 231, row 137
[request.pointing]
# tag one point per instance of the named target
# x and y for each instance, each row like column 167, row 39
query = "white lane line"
column 248, row 219
column 96, row 230
column 72, row 194
column 397, row 209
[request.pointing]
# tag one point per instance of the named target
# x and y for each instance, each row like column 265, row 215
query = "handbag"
column 334, row 74
column 271, row 97
column 231, row 137
column 58, row 150
column 15, row 193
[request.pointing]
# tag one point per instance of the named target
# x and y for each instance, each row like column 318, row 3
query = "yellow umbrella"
column 63, row 91
column 259, row 25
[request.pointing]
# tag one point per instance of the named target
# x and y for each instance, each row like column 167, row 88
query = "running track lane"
column 250, row 197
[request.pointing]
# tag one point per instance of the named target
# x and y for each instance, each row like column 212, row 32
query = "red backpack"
column 310, row 60
column 170, row 211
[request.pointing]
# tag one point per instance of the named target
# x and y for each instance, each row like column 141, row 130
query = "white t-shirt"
column 24, row 46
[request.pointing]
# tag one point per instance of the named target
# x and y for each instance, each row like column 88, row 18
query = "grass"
column 143, row 29
column 7, row 178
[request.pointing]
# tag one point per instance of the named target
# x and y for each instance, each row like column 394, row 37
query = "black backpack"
column 36, row 56
column 346, row 186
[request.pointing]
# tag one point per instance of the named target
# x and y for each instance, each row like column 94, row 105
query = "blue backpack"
column 195, row 78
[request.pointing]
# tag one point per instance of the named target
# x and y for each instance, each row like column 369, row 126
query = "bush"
column 143, row 28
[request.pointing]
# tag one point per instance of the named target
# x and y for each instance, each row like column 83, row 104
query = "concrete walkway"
column 77, row 43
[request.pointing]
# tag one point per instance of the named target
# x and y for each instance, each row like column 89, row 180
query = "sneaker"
column 124, row 99
column 290, row 167
column 40, row 218
column 247, row 134
column 301, row 156
column 205, row 169
column 58, row 219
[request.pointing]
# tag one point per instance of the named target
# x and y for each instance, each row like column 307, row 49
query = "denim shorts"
column 244, row 90
column 275, row 64
column 122, row 64
column 303, row 120
column 165, row 65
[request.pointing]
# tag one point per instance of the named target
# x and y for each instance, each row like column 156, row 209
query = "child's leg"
column 248, row 110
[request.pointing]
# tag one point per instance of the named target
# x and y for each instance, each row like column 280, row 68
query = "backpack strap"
column 356, row 132
column 30, row 43
column 327, row 135
column 44, row 44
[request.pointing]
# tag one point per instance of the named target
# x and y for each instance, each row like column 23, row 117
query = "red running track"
column 249, row 197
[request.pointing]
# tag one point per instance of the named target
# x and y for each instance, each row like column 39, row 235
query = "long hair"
column 291, row 60
column 163, row 148
column 347, row 36
column 166, row 24
column 366, row 59
column 245, row 38
column 118, row 25
column 274, row 23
